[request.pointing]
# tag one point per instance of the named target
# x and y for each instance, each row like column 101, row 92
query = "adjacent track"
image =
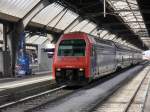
column 129, row 98
column 35, row 100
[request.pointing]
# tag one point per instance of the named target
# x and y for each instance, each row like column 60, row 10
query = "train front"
column 70, row 64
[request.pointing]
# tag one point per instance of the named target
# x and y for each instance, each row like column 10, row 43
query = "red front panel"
column 70, row 62
column 73, row 61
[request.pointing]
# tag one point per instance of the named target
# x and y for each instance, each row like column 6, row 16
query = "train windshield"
column 73, row 47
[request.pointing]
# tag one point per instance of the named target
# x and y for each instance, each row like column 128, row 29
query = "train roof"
column 95, row 40
column 110, row 42
column 99, row 40
column 76, row 32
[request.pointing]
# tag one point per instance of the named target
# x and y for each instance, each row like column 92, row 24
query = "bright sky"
column 146, row 54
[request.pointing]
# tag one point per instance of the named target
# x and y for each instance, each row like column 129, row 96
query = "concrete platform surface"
column 36, row 74
column 24, row 87
column 23, row 82
column 147, row 103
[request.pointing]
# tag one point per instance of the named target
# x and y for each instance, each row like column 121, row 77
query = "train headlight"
column 58, row 69
column 81, row 72
column 81, row 69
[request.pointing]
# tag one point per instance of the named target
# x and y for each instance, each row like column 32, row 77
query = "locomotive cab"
column 70, row 61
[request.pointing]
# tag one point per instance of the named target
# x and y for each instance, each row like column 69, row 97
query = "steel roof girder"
column 34, row 11
column 84, row 26
column 104, row 36
column 62, row 11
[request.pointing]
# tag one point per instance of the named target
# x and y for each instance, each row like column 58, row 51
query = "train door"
column 114, row 61
column 102, row 60
column 111, row 62
column 122, row 60
column 115, row 58
column 93, row 61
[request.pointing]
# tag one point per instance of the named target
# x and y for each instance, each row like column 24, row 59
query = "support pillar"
column 5, row 67
column 13, row 40
column 18, row 28
column 5, row 37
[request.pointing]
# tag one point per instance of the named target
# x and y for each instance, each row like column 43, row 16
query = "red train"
column 80, row 58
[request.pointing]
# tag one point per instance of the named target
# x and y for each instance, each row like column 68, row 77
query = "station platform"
column 147, row 102
column 24, row 81
column 35, row 74
column 15, row 88
column 133, row 96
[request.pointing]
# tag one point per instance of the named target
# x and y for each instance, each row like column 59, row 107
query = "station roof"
column 144, row 7
column 130, row 12
column 123, row 22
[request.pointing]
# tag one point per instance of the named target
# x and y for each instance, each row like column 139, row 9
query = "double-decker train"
column 80, row 58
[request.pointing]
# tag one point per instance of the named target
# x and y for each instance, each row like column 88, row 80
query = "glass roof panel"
column 40, row 40
column 32, row 39
column 137, row 13
column 118, row 40
column 139, row 18
column 46, row 42
column 122, row 42
column 80, row 26
column 106, row 36
column 103, row 33
column 130, row 18
column 68, row 18
column 111, row 36
column 36, row 39
column 17, row 8
column 133, row 2
column 126, row 14
column 89, row 27
column 120, row 4
column 142, row 25
column 134, row 24
column 47, row 14
column 95, row 32
column 114, row 39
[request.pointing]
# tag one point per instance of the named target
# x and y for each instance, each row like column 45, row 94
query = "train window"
column 73, row 47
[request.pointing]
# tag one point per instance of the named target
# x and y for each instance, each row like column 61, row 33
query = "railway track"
column 33, row 101
column 20, row 89
column 82, row 101
column 129, row 98
column 36, row 102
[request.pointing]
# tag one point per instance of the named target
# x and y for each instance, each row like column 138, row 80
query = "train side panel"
column 102, row 59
